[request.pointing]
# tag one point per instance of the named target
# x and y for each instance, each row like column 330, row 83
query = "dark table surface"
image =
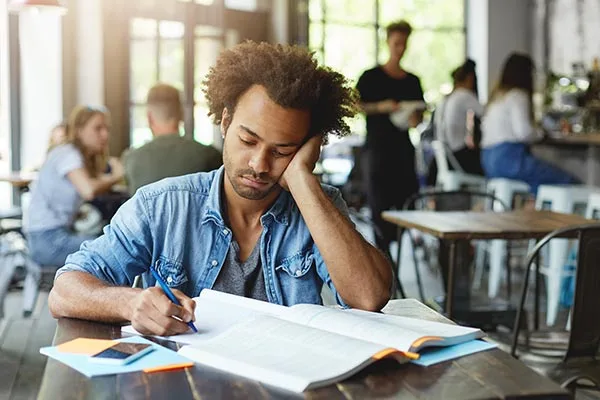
column 487, row 375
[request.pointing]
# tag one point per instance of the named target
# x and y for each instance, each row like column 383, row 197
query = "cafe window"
column 157, row 54
column 173, row 42
column 349, row 36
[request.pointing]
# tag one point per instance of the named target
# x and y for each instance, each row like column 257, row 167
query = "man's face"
column 397, row 45
column 261, row 139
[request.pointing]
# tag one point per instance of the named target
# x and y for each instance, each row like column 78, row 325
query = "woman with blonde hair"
column 73, row 172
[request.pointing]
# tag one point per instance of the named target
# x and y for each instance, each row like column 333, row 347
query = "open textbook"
column 304, row 346
column 401, row 116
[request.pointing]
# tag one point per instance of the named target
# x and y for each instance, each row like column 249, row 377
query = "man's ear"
column 150, row 118
column 225, row 121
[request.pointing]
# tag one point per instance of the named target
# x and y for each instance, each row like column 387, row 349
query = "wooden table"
column 492, row 375
column 457, row 226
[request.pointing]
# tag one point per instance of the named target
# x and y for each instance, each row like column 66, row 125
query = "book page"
column 401, row 333
column 284, row 354
column 216, row 312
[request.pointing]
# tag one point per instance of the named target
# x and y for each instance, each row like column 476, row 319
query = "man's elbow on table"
column 62, row 301
column 372, row 300
column 56, row 300
column 372, row 303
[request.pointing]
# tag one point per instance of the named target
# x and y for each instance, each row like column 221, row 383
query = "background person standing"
column 389, row 156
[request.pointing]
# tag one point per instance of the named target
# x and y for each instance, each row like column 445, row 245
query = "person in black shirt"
column 389, row 156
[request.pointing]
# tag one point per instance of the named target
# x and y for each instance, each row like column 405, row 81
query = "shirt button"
column 169, row 279
column 298, row 273
column 225, row 231
column 214, row 263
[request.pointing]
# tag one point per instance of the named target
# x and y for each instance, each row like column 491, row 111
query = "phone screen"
column 122, row 351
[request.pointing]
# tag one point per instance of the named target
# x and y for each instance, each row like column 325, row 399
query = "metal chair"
column 455, row 200
column 579, row 361
column 456, row 178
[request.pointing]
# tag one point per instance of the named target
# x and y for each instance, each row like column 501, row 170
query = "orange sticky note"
column 169, row 367
column 85, row 346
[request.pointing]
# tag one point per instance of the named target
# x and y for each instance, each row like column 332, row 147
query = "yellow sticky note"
column 85, row 346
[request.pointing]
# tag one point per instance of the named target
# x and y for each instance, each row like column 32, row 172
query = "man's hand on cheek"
column 303, row 161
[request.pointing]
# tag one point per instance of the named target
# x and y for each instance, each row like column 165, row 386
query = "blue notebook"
column 434, row 355
column 159, row 357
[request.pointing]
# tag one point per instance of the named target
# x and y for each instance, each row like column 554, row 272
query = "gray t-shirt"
column 54, row 199
column 242, row 278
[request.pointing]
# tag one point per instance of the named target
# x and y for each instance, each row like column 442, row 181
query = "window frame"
column 191, row 15
column 376, row 26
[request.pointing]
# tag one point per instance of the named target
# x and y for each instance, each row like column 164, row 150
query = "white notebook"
column 304, row 346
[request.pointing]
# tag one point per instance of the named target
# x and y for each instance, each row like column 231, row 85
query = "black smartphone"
column 122, row 353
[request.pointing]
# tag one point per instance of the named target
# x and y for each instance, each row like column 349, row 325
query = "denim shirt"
column 177, row 226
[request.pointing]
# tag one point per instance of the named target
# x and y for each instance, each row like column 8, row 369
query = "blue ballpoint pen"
column 169, row 294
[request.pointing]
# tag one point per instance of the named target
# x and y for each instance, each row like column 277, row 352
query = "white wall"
column 90, row 56
column 4, row 88
column 495, row 28
column 508, row 32
column 280, row 10
column 40, row 39
column 477, row 41
column 5, row 189
column 573, row 33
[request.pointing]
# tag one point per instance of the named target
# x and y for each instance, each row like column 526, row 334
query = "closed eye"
column 280, row 154
column 246, row 142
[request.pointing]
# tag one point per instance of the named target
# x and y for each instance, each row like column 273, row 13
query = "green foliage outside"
column 349, row 36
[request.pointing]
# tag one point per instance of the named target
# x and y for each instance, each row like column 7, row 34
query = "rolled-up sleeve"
column 122, row 252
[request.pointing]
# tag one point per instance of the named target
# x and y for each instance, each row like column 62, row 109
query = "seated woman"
column 450, row 118
column 507, row 130
column 72, row 173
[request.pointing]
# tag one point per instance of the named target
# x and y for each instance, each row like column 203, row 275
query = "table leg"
column 396, row 271
column 508, row 273
column 592, row 154
column 536, row 300
column 451, row 267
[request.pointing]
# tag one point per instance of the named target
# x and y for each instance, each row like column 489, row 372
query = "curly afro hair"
column 292, row 78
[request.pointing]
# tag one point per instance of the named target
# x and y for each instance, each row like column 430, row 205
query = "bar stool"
column 14, row 253
column 456, row 179
column 569, row 199
column 593, row 207
column 505, row 190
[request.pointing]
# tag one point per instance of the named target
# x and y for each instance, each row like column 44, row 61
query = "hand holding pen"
column 169, row 294
column 153, row 313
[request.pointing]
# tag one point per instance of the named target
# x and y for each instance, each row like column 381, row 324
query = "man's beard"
column 248, row 192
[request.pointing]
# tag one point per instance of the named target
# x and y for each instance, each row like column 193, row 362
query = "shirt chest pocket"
column 172, row 272
column 297, row 265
